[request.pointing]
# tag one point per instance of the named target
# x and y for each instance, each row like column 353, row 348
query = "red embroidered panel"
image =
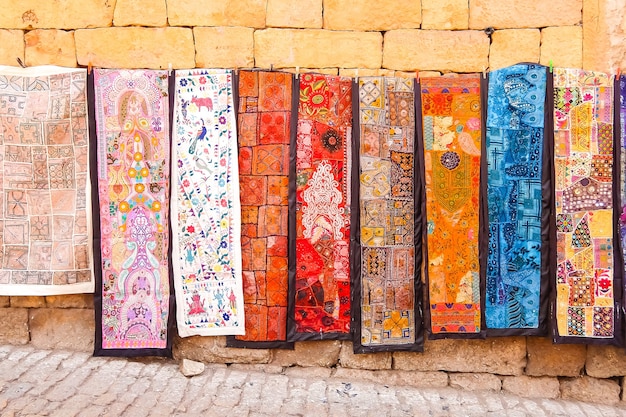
column 322, row 276
column 264, row 134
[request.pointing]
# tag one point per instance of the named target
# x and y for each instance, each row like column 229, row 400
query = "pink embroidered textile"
column 133, row 186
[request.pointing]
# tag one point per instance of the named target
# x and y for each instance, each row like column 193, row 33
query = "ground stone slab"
column 586, row 388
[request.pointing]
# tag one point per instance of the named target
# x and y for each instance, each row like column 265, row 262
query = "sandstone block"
column 524, row 13
column 347, row 359
column 140, row 13
column 224, row 47
column 588, row 389
column 502, row 356
column 546, row 359
column 214, row 350
column 563, row 46
column 28, row 301
column 456, row 51
column 4, row 301
column 422, row 74
column 531, row 387
column 191, row 368
column 367, row 72
column 70, row 14
column 14, row 329
column 371, row 14
column 135, row 47
column 315, row 353
column 247, row 13
column 605, row 361
column 511, row 46
column 294, row 14
column 394, row 378
column 603, row 35
column 70, row 301
column 445, row 14
column 72, row 329
column 317, row 48
column 476, row 382
column 12, row 42
column 328, row 71
column 50, row 47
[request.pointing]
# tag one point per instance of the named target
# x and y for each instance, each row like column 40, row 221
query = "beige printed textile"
column 45, row 220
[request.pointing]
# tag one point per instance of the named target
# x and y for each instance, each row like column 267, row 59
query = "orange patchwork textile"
column 451, row 117
column 264, row 127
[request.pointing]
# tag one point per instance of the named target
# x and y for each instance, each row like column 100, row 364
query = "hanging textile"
column 387, row 286
column 452, row 129
column 264, row 130
column 517, row 167
column 133, row 298
column 320, row 279
column 586, row 289
column 206, row 241
column 45, row 222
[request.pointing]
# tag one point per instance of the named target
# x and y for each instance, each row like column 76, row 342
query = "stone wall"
column 349, row 37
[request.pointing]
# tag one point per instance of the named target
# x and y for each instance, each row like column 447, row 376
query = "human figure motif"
column 196, row 306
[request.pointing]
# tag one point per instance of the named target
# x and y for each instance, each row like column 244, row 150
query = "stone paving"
column 62, row 383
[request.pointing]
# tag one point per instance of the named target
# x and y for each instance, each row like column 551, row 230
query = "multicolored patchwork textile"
column 264, row 127
column 320, row 281
column 132, row 115
column 451, row 118
column 515, row 142
column 583, row 125
column 206, row 209
column 389, row 319
column 45, row 218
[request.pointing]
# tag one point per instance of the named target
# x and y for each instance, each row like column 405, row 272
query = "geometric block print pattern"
column 451, row 115
column 387, row 120
column 264, row 129
column 133, row 187
column 206, row 222
column 45, row 223
column 322, row 277
column 583, row 127
column 515, row 126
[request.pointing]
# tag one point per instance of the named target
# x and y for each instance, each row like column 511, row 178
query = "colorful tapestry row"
column 313, row 245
